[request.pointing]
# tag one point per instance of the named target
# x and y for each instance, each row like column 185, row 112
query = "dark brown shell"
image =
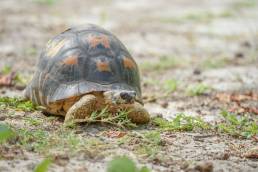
column 81, row 60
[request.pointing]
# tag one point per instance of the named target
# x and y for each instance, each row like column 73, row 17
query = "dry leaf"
column 115, row 134
column 7, row 80
column 252, row 153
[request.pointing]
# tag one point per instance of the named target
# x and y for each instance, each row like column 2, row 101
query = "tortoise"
column 85, row 69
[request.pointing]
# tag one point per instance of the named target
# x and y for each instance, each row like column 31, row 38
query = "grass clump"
column 146, row 144
column 18, row 79
column 43, row 166
column 34, row 140
column 119, row 119
column 47, row 2
column 43, row 141
column 181, row 123
column 170, row 85
column 150, row 144
column 244, row 4
column 33, row 121
column 197, row 89
column 5, row 133
column 231, row 124
column 235, row 126
column 17, row 104
column 213, row 63
column 124, row 164
column 164, row 63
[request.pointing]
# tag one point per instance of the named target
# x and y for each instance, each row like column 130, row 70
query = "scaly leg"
column 82, row 109
column 137, row 113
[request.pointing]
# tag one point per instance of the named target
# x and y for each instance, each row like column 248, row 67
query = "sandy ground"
column 210, row 42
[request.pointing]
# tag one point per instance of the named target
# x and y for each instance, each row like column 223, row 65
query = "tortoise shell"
column 81, row 60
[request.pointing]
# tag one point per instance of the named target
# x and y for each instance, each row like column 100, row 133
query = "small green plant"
column 43, row 166
column 170, row 85
column 240, row 4
column 124, row 164
column 197, row 89
column 36, row 140
column 119, row 119
column 205, row 17
column 17, row 103
column 5, row 133
column 181, row 123
column 235, row 126
column 47, row 2
column 6, row 70
column 33, row 121
column 152, row 137
column 18, row 79
column 150, row 144
column 103, row 17
column 213, row 63
column 164, row 63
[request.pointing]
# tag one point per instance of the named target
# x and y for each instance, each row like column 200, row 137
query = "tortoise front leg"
column 137, row 113
column 82, row 109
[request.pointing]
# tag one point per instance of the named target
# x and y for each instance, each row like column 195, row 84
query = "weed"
column 244, row 4
column 5, row 133
column 119, row 119
column 123, row 163
column 152, row 137
column 62, row 139
column 31, row 51
column 103, row 17
column 146, row 144
column 165, row 62
column 6, row 70
column 170, row 85
column 47, row 2
column 18, row 79
column 197, row 89
column 150, row 144
column 205, row 17
column 213, row 63
column 237, row 126
column 181, row 123
column 17, row 104
column 231, row 125
column 35, row 140
column 43, row 166
column 33, row 121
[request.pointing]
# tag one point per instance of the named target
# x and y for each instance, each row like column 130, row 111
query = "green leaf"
column 5, row 133
column 6, row 70
column 43, row 166
column 121, row 164
column 144, row 169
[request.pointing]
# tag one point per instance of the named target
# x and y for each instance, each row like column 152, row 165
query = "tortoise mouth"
column 81, row 88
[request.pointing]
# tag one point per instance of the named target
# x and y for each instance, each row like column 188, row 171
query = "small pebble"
column 197, row 72
column 2, row 118
column 204, row 166
column 239, row 55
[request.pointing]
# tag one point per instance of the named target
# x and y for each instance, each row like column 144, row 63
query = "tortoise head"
column 120, row 96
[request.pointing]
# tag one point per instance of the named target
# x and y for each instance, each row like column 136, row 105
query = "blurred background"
column 197, row 58
column 181, row 46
